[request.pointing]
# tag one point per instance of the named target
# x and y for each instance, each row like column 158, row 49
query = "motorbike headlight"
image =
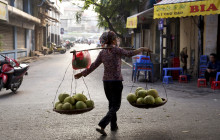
column 12, row 63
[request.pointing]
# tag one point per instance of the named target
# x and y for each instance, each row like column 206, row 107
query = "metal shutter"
column 20, row 38
column 6, row 32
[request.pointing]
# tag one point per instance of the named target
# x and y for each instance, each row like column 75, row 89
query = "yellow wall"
column 189, row 39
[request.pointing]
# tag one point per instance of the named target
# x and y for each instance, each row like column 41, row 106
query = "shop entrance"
column 218, row 40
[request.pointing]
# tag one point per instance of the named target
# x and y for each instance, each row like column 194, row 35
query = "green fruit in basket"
column 139, row 88
column 63, row 96
column 149, row 100
column 89, row 103
column 142, row 93
column 132, row 98
column 70, row 100
column 153, row 92
column 140, row 101
column 59, row 106
column 81, row 105
column 57, row 103
column 158, row 100
column 80, row 97
column 85, row 97
column 67, row 106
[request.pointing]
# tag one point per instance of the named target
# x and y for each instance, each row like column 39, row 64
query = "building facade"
column 198, row 34
column 17, row 28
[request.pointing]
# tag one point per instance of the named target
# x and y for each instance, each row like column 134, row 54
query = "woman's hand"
column 145, row 49
column 78, row 75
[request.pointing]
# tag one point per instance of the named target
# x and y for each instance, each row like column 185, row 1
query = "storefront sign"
column 3, row 11
column 187, row 9
column 131, row 22
column 160, row 24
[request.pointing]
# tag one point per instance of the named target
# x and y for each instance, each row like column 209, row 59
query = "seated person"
column 213, row 67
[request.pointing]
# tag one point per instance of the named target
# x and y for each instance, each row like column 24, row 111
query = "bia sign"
column 195, row 8
column 203, row 8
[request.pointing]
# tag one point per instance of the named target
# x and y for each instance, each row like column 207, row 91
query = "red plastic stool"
column 201, row 83
column 215, row 85
column 182, row 79
column 211, row 79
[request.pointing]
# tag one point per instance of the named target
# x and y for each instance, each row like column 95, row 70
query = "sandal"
column 101, row 131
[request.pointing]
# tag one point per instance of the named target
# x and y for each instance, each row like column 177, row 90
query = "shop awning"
column 50, row 18
column 19, row 13
column 184, row 8
column 132, row 21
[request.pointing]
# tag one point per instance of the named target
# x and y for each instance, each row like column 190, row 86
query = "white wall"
column 210, row 34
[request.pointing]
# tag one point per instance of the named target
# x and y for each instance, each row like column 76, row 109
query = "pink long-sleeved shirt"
column 111, row 59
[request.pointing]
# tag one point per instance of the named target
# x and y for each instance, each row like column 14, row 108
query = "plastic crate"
column 141, row 59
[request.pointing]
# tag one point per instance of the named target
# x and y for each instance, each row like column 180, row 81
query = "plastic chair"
column 141, row 63
column 182, row 79
column 167, row 79
column 203, row 58
column 215, row 85
column 201, row 82
column 217, row 75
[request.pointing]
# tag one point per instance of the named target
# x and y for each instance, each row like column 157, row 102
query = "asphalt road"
column 28, row 114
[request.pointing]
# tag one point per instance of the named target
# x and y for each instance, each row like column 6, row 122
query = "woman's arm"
column 123, row 52
column 142, row 49
column 93, row 66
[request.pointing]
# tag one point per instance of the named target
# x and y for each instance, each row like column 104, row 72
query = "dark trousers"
column 113, row 92
column 208, row 75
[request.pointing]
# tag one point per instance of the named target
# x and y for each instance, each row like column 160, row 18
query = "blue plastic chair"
column 141, row 63
column 203, row 59
column 167, row 79
column 217, row 75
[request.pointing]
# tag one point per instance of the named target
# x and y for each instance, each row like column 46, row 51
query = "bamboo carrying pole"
column 127, row 48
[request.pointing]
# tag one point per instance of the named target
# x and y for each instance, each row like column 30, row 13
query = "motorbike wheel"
column 19, row 84
column 1, row 84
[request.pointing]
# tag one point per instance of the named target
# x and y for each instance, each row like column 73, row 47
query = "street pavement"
column 189, row 114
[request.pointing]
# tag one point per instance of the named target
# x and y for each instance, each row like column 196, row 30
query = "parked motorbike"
column 11, row 74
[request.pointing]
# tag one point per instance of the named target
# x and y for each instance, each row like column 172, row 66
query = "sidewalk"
column 28, row 59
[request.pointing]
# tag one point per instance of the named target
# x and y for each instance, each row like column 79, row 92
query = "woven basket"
column 149, row 106
column 75, row 111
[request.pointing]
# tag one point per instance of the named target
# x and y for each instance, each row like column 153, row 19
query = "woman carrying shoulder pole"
column 112, row 79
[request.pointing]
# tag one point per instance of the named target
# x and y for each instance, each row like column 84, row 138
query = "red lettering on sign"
column 194, row 9
column 202, row 8
column 212, row 7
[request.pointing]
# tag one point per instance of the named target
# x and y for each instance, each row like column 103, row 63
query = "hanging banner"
column 3, row 11
column 131, row 22
column 196, row 8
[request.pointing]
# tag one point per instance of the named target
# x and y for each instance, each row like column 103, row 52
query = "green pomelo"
column 59, row 106
column 80, row 105
column 139, row 88
column 132, row 98
column 57, row 103
column 149, row 100
column 142, row 93
column 140, row 101
column 85, row 97
column 158, row 100
column 70, row 100
column 89, row 103
column 80, row 97
column 63, row 96
column 67, row 106
column 153, row 92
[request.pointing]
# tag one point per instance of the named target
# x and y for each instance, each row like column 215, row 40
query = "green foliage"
column 112, row 14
